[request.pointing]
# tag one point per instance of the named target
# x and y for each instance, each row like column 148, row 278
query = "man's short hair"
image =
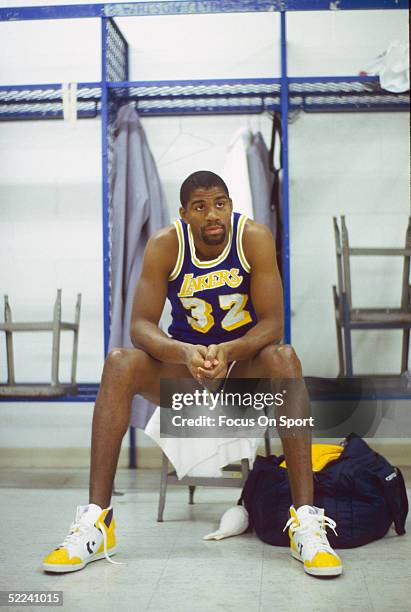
column 202, row 178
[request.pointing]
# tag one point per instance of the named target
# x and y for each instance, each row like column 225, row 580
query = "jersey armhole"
column 180, row 255
column 240, row 250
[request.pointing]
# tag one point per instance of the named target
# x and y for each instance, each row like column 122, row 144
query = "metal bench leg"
column 163, row 488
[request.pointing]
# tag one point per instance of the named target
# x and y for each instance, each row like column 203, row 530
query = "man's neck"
column 207, row 252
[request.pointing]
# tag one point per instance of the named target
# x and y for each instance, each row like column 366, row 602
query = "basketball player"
column 219, row 271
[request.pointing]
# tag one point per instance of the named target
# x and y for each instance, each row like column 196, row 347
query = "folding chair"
column 348, row 318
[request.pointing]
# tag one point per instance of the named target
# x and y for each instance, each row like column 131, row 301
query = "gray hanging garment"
column 276, row 165
column 261, row 182
column 138, row 209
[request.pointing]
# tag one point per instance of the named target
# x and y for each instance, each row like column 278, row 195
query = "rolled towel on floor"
column 233, row 522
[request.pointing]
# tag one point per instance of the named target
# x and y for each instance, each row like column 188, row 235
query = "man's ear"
column 231, row 203
column 183, row 212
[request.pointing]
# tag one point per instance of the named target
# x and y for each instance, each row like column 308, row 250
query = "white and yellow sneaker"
column 91, row 537
column 309, row 543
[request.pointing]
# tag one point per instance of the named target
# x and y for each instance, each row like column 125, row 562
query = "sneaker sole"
column 60, row 569
column 318, row 571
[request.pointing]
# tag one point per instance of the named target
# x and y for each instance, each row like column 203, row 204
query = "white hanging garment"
column 235, row 173
column 393, row 67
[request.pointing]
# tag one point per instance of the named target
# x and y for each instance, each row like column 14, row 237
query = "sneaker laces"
column 313, row 527
column 78, row 530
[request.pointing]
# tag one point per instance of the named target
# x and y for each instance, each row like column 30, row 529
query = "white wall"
column 50, row 184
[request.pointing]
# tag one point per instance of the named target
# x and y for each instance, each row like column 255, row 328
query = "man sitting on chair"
column 219, row 271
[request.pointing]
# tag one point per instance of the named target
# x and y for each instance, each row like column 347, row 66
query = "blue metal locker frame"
column 186, row 7
column 286, row 209
column 105, row 185
column 311, row 94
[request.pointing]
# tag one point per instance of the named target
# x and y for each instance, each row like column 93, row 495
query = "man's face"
column 208, row 212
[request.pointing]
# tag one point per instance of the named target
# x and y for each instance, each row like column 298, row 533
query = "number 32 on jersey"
column 202, row 319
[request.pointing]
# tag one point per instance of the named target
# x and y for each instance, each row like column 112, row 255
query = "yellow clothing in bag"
column 321, row 455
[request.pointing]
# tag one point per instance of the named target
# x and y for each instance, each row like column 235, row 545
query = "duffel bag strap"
column 395, row 494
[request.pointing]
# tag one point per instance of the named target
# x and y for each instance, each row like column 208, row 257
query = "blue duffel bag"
column 361, row 491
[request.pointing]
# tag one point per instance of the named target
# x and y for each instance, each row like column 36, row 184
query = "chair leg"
column 267, row 443
column 163, row 488
column 347, row 338
column 55, row 351
column 245, row 470
column 405, row 350
column 338, row 318
column 406, row 299
column 9, row 343
column 191, row 490
column 116, row 492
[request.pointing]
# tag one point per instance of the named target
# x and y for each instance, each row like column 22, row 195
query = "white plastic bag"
column 233, row 522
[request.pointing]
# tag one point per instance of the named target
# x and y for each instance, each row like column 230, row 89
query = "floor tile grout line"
column 260, row 597
column 164, row 568
column 366, row 588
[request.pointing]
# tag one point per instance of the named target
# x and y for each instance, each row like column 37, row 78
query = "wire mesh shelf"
column 46, row 101
column 204, row 96
column 344, row 94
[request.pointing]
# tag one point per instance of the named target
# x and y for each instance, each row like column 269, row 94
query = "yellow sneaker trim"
column 60, row 557
column 323, row 559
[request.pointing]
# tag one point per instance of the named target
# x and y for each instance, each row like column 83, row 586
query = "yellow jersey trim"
column 240, row 250
column 180, row 256
column 212, row 262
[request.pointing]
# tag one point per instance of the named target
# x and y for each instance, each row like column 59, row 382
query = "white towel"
column 201, row 456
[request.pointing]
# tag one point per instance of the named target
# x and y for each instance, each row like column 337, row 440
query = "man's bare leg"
column 127, row 372
column 92, row 535
column 280, row 361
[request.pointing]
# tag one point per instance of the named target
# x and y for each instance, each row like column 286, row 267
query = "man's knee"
column 281, row 360
column 124, row 362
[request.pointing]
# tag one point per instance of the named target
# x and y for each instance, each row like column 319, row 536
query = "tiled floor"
column 167, row 566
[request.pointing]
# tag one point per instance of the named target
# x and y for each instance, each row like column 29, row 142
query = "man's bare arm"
column 149, row 298
column 266, row 294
